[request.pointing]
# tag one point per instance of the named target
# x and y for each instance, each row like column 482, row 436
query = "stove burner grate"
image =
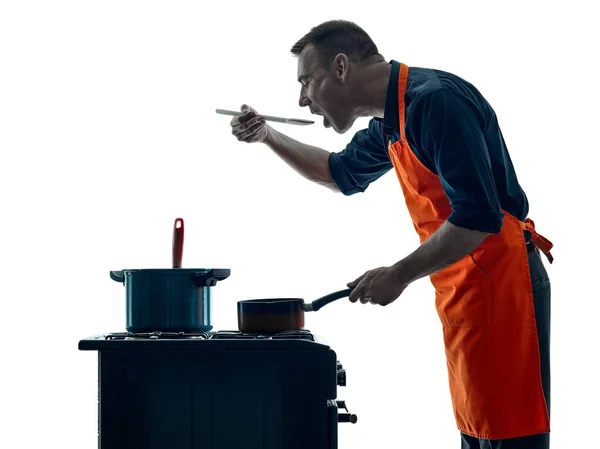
column 295, row 334
column 155, row 335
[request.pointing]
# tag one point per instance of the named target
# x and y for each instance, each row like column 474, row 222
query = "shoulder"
column 439, row 106
column 433, row 92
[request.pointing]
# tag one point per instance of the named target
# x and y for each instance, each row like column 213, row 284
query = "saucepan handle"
column 318, row 303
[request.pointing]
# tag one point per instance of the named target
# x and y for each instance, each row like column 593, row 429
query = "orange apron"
column 485, row 304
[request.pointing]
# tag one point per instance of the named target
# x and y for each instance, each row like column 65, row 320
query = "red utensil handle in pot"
column 177, row 242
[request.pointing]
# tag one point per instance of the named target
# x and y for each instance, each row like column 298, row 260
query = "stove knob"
column 341, row 378
column 347, row 417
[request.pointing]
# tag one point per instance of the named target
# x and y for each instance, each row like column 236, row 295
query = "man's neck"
column 371, row 89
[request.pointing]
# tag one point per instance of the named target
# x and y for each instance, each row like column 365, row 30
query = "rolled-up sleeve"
column 451, row 130
column 363, row 161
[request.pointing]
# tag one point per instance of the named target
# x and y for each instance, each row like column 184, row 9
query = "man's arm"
column 350, row 171
column 448, row 245
column 309, row 161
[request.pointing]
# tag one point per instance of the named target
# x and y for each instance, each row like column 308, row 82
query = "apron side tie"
column 538, row 240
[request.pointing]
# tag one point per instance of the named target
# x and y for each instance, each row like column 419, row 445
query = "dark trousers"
column 541, row 299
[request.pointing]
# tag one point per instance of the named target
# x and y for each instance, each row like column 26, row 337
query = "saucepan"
column 270, row 316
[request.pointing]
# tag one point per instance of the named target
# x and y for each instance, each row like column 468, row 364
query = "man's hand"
column 249, row 127
column 378, row 286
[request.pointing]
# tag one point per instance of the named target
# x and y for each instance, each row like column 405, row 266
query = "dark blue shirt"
column 454, row 132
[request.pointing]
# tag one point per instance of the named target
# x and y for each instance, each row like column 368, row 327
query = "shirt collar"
column 391, row 118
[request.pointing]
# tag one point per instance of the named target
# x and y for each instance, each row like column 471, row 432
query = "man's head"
column 330, row 57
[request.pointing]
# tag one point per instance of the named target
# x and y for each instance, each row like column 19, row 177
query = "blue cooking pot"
column 169, row 300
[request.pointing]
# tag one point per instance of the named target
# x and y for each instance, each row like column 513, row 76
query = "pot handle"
column 318, row 303
column 178, row 231
column 210, row 278
column 117, row 276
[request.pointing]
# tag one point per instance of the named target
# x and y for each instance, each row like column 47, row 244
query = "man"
column 481, row 252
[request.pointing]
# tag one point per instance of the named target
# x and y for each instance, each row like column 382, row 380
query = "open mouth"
column 326, row 122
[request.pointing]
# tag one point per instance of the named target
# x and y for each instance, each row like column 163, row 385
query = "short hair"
column 337, row 36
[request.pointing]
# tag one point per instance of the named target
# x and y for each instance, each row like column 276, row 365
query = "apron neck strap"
column 402, row 81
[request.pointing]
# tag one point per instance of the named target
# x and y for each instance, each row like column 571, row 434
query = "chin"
column 342, row 129
column 339, row 126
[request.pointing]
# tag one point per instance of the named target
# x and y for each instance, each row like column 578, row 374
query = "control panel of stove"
column 341, row 375
column 341, row 381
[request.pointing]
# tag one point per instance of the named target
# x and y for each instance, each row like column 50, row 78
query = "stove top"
column 203, row 340
column 219, row 335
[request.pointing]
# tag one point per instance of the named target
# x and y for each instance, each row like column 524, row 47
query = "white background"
column 108, row 133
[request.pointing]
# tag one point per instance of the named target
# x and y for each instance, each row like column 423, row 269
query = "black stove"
column 217, row 390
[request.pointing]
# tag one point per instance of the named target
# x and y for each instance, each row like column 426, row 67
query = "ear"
column 341, row 64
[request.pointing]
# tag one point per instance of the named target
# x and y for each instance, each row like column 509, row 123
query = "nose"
column 304, row 101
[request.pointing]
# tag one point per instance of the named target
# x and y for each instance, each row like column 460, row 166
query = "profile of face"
column 325, row 89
